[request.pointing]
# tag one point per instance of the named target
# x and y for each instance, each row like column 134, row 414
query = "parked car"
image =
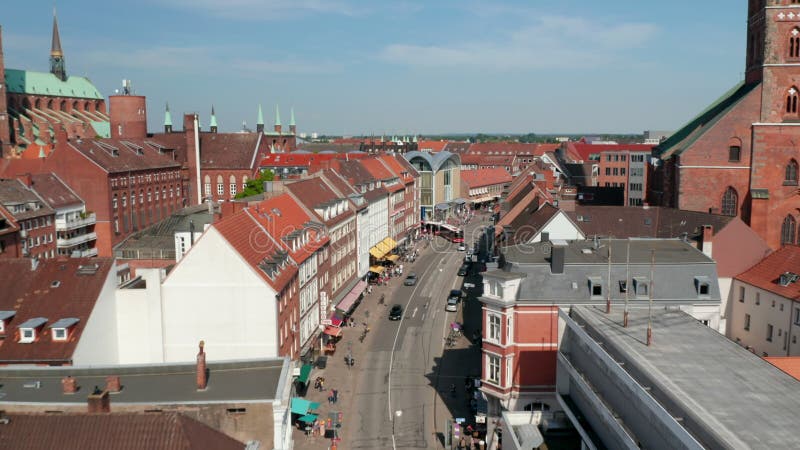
column 462, row 271
column 411, row 279
column 396, row 313
column 452, row 305
column 462, row 247
column 455, row 294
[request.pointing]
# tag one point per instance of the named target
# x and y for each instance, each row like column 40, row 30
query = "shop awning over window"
column 376, row 269
column 305, row 371
column 302, row 406
column 308, row 418
column 393, row 258
column 330, row 330
column 376, row 253
column 350, row 299
column 389, row 243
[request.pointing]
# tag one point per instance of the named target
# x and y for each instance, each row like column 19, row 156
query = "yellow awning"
column 376, row 269
column 389, row 243
column 393, row 258
column 382, row 247
column 376, row 253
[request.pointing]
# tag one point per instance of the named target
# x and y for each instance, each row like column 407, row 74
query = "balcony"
column 77, row 240
column 88, row 253
column 64, row 225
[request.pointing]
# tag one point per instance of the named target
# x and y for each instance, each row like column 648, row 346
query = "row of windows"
column 145, row 178
column 616, row 171
column 770, row 331
column 616, row 157
column 174, row 192
column 62, row 106
column 37, row 223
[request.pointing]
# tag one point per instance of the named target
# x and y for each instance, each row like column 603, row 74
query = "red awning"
column 333, row 331
column 336, row 321
column 350, row 299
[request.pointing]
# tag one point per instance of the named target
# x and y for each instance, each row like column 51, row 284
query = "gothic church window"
column 791, row 173
column 791, row 100
column 794, row 43
column 730, row 202
column 788, row 230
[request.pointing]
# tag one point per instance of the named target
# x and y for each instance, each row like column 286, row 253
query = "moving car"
column 462, row 247
column 411, row 279
column 462, row 271
column 396, row 313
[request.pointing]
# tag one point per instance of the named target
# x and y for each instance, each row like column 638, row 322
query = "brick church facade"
column 740, row 156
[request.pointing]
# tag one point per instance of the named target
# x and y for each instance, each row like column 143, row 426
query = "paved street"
column 398, row 394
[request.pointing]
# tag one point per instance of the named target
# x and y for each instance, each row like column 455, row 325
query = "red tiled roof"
column 313, row 193
column 766, row 273
column 433, row 146
column 32, row 294
column 250, row 239
column 485, row 177
column 230, row 150
column 355, row 173
column 11, row 225
column 506, row 148
column 114, row 156
column 305, row 159
column 487, row 160
column 788, row 364
column 54, row 191
column 381, row 172
column 397, row 167
column 115, row 431
column 281, row 216
column 586, row 150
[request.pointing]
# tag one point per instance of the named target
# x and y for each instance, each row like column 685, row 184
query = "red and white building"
column 484, row 186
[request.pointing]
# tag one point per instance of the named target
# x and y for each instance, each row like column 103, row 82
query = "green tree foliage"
column 255, row 187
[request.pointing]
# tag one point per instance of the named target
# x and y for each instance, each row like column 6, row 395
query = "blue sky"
column 403, row 66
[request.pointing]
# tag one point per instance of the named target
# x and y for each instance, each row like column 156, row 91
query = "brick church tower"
column 5, row 136
column 740, row 156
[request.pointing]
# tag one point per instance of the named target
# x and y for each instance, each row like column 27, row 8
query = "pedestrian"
column 330, row 397
column 322, row 384
column 335, row 396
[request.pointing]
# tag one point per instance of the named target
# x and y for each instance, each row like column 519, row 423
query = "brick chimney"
column 202, row 370
column 708, row 236
column 69, row 385
column 99, row 401
column 113, row 384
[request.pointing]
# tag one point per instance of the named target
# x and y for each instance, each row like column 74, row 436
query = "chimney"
column 557, row 255
column 98, row 401
column 69, row 385
column 545, row 236
column 202, row 371
column 708, row 236
column 113, row 384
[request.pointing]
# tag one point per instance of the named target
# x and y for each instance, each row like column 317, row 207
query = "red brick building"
column 615, row 165
column 9, row 236
column 740, row 156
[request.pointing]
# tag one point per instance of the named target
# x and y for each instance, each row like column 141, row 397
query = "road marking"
column 413, row 314
column 423, row 317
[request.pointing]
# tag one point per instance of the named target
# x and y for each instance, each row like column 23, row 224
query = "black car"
column 396, row 313
column 455, row 294
column 463, row 270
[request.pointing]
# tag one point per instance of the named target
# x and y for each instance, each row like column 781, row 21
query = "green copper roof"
column 40, row 83
column 103, row 129
column 213, row 118
column 260, row 120
column 291, row 119
column 167, row 117
column 277, row 116
column 695, row 128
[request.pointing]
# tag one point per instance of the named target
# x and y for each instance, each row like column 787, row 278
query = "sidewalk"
column 337, row 374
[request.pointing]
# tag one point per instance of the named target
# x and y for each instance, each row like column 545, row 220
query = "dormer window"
column 63, row 328
column 596, row 287
column 29, row 329
column 703, row 286
column 640, row 287
column 5, row 318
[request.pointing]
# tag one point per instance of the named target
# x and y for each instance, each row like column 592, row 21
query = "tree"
column 256, row 186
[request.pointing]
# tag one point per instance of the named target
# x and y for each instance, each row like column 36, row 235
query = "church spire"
column 277, row 119
column 260, row 121
column 292, row 124
column 56, row 54
column 213, row 124
column 167, row 120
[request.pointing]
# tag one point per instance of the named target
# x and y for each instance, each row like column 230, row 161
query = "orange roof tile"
column 379, row 171
column 766, row 273
column 485, row 177
column 788, row 364
column 433, row 146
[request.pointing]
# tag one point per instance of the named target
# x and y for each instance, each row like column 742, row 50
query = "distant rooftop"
column 590, row 252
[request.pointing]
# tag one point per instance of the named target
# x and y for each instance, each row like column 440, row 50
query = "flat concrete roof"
column 667, row 251
column 740, row 398
column 239, row 381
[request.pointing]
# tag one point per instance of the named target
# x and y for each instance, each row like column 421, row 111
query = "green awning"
column 305, row 371
column 302, row 406
column 308, row 418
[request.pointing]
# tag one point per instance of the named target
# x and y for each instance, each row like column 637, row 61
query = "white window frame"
column 233, row 189
column 494, row 335
column 56, row 331
column 490, row 368
column 23, row 338
column 220, row 188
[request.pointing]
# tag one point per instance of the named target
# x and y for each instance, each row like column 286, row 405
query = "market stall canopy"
column 389, row 243
column 330, row 330
column 302, row 406
column 393, row 258
column 376, row 269
column 350, row 299
column 305, row 371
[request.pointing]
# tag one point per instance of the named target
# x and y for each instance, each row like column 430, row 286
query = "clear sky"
column 400, row 66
